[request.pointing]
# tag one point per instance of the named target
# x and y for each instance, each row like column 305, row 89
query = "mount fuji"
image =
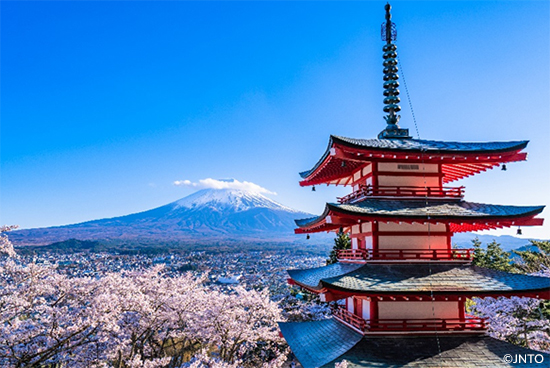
column 206, row 216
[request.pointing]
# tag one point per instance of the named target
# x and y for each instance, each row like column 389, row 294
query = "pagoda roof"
column 320, row 344
column 422, row 145
column 418, row 279
column 477, row 216
column 357, row 152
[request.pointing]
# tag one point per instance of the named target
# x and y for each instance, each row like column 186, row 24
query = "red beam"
column 358, row 158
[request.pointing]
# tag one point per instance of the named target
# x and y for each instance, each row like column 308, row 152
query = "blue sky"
column 105, row 104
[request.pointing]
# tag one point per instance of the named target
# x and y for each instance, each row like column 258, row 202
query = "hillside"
column 207, row 216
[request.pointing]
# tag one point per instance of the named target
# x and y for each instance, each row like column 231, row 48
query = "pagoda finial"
column 391, row 92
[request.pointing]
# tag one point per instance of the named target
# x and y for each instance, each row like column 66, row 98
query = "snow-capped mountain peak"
column 224, row 199
column 207, row 216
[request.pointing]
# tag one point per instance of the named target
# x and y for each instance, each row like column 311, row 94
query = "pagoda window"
column 362, row 177
column 365, row 308
column 367, row 170
column 361, row 236
column 357, row 176
column 349, row 304
column 367, row 244
column 419, row 310
column 369, row 181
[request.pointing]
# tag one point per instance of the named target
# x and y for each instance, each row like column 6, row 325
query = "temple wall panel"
column 418, row 310
column 355, row 229
column 408, row 181
column 366, row 227
column 408, row 167
column 397, row 227
column 412, row 242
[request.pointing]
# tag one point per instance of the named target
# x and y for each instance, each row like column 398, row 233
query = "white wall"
column 366, row 227
column 408, row 181
column 418, row 310
column 407, row 167
column 412, row 242
column 395, row 226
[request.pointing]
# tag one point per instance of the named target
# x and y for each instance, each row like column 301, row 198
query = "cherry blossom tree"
column 130, row 319
column 6, row 247
column 297, row 310
column 342, row 364
column 516, row 320
column 522, row 321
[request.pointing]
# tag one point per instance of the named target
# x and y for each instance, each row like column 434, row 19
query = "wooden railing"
column 406, row 254
column 469, row 323
column 351, row 319
column 405, row 191
column 429, row 324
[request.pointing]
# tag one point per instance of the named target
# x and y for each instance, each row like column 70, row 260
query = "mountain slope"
column 207, row 215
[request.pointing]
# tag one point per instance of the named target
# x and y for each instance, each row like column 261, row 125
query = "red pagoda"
column 404, row 285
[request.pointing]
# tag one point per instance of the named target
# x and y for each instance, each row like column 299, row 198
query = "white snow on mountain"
column 210, row 183
column 236, row 199
column 209, row 215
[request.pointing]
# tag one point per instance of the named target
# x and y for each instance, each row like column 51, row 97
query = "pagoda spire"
column 391, row 93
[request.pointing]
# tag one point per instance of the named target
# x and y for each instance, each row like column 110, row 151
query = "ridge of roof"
column 417, row 145
column 436, row 209
column 323, row 343
column 429, row 277
column 421, row 145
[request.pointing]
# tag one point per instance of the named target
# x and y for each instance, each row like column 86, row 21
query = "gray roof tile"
column 323, row 343
column 418, row 145
column 418, row 278
column 311, row 277
column 319, row 342
column 417, row 351
column 421, row 209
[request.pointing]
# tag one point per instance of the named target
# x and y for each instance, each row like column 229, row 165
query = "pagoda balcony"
column 468, row 324
column 363, row 255
column 405, row 191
